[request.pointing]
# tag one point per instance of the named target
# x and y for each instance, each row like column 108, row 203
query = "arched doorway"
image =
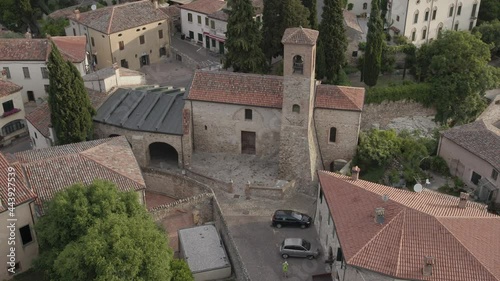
column 163, row 155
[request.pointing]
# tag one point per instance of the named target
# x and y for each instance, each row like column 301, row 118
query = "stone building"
column 304, row 125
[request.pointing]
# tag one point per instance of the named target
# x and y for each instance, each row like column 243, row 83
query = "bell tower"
column 298, row 149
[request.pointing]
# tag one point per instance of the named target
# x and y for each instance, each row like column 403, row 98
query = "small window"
column 46, row 88
column 339, row 254
column 475, row 178
column 434, row 12
column 298, row 65
column 415, row 17
column 440, row 28
column 424, row 33
column 121, row 45
column 92, row 41
column 426, row 16
column 329, row 218
column 199, row 19
column 94, row 57
column 474, row 8
column 494, row 174
column 141, row 39
column 296, row 108
column 120, row 35
column 200, row 37
column 160, row 33
column 206, row 21
column 248, row 114
column 26, row 234
column 26, row 72
column 8, row 106
column 191, row 35
column 456, row 26
column 413, row 35
column 450, row 14
column 36, row 136
column 471, row 25
column 333, row 134
column 397, row 18
column 212, row 24
column 213, row 43
column 74, row 32
column 45, row 73
column 124, row 63
column 6, row 72
column 459, row 9
column 142, row 29
column 365, row 6
column 138, row 30
column 31, row 96
column 190, row 17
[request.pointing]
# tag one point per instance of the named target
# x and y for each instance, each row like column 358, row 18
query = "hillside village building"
column 374, row 232
column 12, row 123
column 24, row 62
column 132, row 34
column 291, row 118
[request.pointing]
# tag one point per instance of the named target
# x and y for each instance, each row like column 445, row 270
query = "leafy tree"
column 456, row 64
column 333, row 38
column 490, row 34
column 53, row 27
column 70, row 108
column 99, row 233
column 243, row 39
column 277, row 16
column 313, row 15
column 489, row 10
column 320, row 61
column 180, row 270
column 374, row 46
column 377, row 147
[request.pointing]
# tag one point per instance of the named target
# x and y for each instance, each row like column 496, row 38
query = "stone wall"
column 172, row 184
column 382, row 114
column 185, row 59
column 201, row 204
column 211, row 182
column 274, row 192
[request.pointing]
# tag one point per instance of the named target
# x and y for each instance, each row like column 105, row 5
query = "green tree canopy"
column 53, row 27
column 70, row 108
column 372, row 59
column 96, row 232
column 490, row 34
column 489, row 10
column 313, row 15
column 243, row 39
column 378, row 146
column 180, row 270
column 456, row 64
column 333, row 38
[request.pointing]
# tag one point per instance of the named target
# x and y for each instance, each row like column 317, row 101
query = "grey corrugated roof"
column 157, row 110
column 202, row 248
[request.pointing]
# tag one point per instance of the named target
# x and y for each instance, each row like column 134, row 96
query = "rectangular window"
column 7, row 72
column 424, row 33
column 190, row 17
column 92, row 41
column 74, row 32
column 471, row 25
column 160, row 33
column 494, row 174
column 459, row 10
column 426, row 18
column 212, row 24
column 213, row 43
column 434, row 14
column 124, row 63
column 451, row 12
column 45, row 73
column 46, row 88
column 475, row 178
column 248, row 114
column 339, row 254
column 456, row 26
column 329, row 218
column 121, row 45
column 206, row 21
column 415, row 19
column 26, row 234
column 413, row 35
column 333, row 134
column 8, row 106
column 199, row 19
column 191, row 35
column 141, row 39
column 200, row 37
column 26, row 72
column 474, row 8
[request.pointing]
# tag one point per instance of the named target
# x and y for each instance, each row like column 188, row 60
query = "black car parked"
column 291, row 218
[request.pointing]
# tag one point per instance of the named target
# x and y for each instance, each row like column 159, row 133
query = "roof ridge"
column 111, row 19
column 378, row 233
column 468, row 250
column 401, row 241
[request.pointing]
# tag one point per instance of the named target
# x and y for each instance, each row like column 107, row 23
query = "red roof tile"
column 51, row 170
column 299, row 35
column 7, row 88
column 340, row 97
column 72, row 48
column 462, row 241
column 23, row 49
column 206, row 7
column 22, row 193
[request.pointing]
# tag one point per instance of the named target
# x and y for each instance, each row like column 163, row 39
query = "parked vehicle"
column 291, row 218
column 297, row 247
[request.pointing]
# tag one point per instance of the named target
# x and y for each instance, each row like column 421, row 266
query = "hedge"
column 420, row 92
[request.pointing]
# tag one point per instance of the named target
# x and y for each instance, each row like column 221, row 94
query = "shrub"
column 400, row 39
column 438, row 165
column 350, row 6
column 417, row 92
column 362, row 46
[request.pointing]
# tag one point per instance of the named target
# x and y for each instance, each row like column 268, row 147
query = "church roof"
column 300, row 35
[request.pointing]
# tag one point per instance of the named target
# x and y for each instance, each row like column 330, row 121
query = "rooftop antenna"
column 93, row 7
column 417, row 188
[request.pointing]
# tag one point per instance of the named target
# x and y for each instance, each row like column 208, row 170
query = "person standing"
column 285, row 269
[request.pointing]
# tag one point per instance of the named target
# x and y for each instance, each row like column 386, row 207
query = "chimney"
column 428, row 264
column 379, row 215
column 155, row 2
column 77, row 14
column 355, row 173
column 463, row 200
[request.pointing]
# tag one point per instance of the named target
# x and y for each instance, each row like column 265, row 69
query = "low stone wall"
column 383, row 113
column 186, row 60
column 269, row 192
column 211, row 182
column 201, row 205
column 172, row 184
column 239, row 270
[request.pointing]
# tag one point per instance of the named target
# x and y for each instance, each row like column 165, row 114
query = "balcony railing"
column 10, row 112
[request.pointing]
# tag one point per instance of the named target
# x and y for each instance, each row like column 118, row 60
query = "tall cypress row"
column 374, row 44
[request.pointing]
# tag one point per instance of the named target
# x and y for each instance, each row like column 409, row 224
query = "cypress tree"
column 243, row 39
column 313, row 17
column 333, row 39
column 70, row 108
column 374, row 45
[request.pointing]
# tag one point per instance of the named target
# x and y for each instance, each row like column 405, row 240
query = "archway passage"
column 163, row 155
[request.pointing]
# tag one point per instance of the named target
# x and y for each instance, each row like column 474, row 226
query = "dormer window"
column 298, row 65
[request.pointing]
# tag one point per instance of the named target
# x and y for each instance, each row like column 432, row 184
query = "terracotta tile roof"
column 22, row 192
column 300, row 35
column 117, row 18
column 7, row 88
column 40, row 116
column 340, row 97
column 21, row 49
column 206, row 7
column 219, row 15
column 462, row 241
column 477, row 138
column 237, row 88
column 72, row 48
column 173, row 11
column 53, row 169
